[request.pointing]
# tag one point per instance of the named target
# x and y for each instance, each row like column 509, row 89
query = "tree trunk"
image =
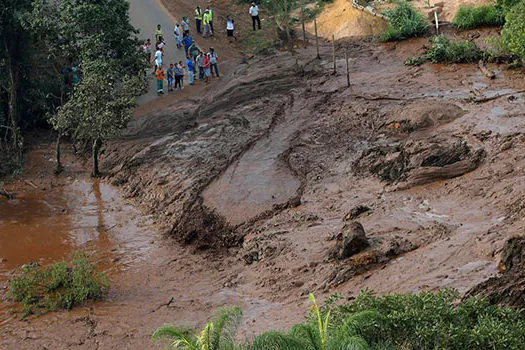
column 59, row 167
column 96, row 147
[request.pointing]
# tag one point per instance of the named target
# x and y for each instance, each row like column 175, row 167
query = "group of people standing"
column 199, row 64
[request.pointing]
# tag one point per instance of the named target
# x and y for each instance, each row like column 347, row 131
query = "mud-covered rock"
column 420, row 162
column 350, row 240
column 508, row 288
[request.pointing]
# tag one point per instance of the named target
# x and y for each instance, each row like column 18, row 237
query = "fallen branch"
column 495, row 97
column 483, row 68
column 172, row 300
column 30, row 183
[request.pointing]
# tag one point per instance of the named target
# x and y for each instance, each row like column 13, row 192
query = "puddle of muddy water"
column 47, row 226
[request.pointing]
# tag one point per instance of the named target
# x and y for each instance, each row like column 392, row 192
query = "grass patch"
column 475, row 17
column 513, row 32
column 422, row 321
column 257, row 42
column 58, row 286
column 404, row 22
column 444, row 50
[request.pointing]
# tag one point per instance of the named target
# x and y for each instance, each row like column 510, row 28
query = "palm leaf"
column 226, row 321
column 308, row 335
column 180, row 338
column 278, row 341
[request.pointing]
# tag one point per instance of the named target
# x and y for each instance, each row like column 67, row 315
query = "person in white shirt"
column 230, row 27
column 254, row 12
column 158, row 59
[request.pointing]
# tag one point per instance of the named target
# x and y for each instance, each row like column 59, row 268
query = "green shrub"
column 475, row 17
column 444, row 50
column 513, row 32
column 422, row 321
column 59, row 286
column 404, row 22
column 433, row 321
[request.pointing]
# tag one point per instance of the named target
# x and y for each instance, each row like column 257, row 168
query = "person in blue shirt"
column 187, row 41
column 191, row 69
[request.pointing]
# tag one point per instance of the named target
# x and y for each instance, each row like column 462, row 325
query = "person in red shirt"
column 207, row 67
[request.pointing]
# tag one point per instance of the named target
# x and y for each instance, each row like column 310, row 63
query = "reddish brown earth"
column 253, row 180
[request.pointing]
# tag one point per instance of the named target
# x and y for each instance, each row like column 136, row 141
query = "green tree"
column 218, row 334
column 13, row 59
column 96, row 37
column 99, row 107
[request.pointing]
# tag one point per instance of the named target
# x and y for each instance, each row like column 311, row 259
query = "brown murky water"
column 46, row 226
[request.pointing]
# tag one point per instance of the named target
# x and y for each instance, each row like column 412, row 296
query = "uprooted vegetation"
column 422, row 321
column 58, row 286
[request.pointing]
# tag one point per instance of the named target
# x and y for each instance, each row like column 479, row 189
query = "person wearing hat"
column 206, row 22
column 198, row 19
column 254, row 12
column 210, row 18
column 185, row 26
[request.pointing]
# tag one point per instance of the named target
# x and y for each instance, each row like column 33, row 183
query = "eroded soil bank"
column 254, row 180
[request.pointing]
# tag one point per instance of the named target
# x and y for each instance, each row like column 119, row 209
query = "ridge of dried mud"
column 440, row 173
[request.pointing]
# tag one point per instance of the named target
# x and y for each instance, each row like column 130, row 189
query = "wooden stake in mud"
column 333, row 52
column 316, row 39
column 347, row 70
column 437, row 22
column 302, row 24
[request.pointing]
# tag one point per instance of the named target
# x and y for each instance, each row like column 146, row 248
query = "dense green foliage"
column 422, row 321
column 49, row 44
column 475, row 17
column 58, row 286
column 513, row 32
column 443, row 50
column 219, row 333
column 404, row 22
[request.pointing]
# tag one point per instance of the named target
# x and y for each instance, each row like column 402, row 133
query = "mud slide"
column 261, row 178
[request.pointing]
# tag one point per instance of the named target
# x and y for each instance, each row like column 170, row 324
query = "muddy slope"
column 281, row 152
column 281, row 162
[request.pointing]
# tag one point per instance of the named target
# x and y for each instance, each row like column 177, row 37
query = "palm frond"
column 308, row 334
column 277, row 340
column 349, row 343
column 226, row 321
column 180, row 338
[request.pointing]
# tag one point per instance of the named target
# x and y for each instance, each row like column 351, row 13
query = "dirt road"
column 145, row 15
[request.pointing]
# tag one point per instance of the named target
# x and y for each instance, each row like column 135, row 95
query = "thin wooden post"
column 347, row 70
column 333, row 52
column 316, row 39
column 302, row 23
column 437, row 22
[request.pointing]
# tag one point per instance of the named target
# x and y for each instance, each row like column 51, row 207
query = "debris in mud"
column 263, row 246
column 204, row 229
column 415, row 163
column 356, row 211
column 508, row 288
column 350, row 241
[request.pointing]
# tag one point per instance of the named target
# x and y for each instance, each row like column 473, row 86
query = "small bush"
column 59, row 286
column 513, row 32
column 403, row 23
column 475, row 17
column 257, row 42
column 445, row 51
